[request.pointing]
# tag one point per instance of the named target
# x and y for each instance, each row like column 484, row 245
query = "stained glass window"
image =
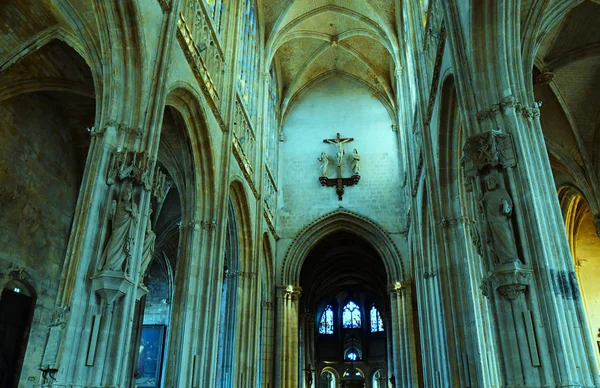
column 326, row 322
column 351, row 316
column 376, row 322
column 352, row 356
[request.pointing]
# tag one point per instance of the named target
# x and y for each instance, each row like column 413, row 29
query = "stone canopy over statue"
column 339, row 182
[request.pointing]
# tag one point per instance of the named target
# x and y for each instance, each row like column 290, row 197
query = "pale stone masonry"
column 173, row 215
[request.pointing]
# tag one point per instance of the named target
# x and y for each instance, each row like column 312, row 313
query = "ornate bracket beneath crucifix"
column 339, row 183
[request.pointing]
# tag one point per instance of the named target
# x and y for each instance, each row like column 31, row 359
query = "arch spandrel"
column 336, row 221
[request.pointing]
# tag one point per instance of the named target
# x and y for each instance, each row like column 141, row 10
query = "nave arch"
column 41, row 174
column 400, row 335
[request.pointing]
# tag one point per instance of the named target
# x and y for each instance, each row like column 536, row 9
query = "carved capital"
column 397, row 289
column 291, row 292
column 544, row 78
column 194, row 224
column 209, row 225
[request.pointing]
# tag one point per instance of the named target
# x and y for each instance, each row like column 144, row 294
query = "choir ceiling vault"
column 312, row 40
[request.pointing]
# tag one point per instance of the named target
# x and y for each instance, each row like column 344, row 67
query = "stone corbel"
column 111, row 285
column 510, row 279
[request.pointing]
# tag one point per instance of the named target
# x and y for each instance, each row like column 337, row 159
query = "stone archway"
column 401, row 339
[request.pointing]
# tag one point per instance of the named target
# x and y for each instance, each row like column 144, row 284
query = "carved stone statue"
column 120, row 243
column 148, row 252
column 324, row 159
column 355, row 162
column 497, row 206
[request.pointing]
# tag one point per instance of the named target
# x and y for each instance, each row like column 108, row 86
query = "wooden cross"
column 339, row 182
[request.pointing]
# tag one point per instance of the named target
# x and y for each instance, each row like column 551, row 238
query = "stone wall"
column 39, row 184
column 333, row 106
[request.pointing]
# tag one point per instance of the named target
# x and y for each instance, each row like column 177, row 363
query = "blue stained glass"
column 376, row 322
column 351, row 316
column 326, row 322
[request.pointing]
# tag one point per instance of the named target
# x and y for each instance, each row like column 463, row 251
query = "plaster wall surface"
column 332, row 106
column 39, row 184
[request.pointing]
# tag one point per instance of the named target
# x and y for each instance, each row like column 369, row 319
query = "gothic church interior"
column 299, row 193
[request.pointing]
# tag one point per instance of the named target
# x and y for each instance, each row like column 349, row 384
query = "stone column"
column 467, row 314
column 101, row 276
column 268, row 348
column 188, row 314
column 533, row 294
column 286, row 361
column 246, row 357
column 401, row 335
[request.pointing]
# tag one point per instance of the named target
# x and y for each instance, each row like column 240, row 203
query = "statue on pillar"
column 119, row 247
column 497, row 206
column 148, row 250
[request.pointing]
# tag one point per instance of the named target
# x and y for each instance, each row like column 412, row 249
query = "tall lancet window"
column 326, row 322
column 376, row 322
column 351, row 316
column 248, row 58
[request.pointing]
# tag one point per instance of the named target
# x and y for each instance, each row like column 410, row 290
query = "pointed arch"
column 186, row 101
column 341, row 220
column 239, row 198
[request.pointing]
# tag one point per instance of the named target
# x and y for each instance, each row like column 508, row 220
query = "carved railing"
column 203, row 51
column 244, row 141
column 270, row 198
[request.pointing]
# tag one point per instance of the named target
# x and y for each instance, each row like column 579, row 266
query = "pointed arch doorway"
column 369, row 273
column 343, row 279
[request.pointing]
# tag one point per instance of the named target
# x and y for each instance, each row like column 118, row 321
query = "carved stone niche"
column 509, row 279
column 111, row 285
column 484, row 150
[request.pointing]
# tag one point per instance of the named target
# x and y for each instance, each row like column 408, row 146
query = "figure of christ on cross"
column 339, row 182
column 339, row 144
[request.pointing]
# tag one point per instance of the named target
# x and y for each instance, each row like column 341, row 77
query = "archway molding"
column 341, row 220
column 187, row 102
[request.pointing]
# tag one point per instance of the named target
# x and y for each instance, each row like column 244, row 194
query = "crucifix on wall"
column 339, row 182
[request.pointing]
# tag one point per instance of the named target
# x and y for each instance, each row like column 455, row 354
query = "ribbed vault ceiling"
column 572, row 52
column 340, row 261
column 311, row 40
